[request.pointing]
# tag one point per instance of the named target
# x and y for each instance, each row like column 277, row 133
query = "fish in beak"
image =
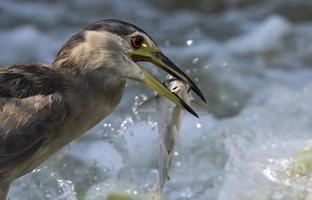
column 137, row 72
column 149, row 52
column 155, row 56
column 153, row 83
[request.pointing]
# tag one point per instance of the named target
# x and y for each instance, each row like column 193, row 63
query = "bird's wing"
column 30, row 113
column 22, row 81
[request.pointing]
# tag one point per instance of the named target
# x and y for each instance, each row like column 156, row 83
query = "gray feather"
column 25, row 124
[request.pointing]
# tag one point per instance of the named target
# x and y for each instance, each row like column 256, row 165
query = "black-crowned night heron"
column 44, row 107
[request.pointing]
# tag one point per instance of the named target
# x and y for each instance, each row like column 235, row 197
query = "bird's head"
column 118, row 46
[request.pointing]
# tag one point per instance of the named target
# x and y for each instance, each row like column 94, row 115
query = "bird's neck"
column 97, row 90
column 96, row 87
column 92, row 93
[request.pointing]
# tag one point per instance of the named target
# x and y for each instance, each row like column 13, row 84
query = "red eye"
column 137, row 41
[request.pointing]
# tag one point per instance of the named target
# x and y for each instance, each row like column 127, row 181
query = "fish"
column 168, row 118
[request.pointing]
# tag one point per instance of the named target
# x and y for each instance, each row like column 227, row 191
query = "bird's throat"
column 96, row 95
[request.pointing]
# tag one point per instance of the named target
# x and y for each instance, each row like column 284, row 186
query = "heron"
column 43, row 107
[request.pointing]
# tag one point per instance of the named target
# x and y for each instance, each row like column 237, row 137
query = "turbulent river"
column 251, row 58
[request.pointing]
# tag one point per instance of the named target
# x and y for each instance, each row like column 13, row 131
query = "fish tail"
column 163, row 171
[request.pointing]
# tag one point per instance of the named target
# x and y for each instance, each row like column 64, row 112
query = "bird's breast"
column 88, row 110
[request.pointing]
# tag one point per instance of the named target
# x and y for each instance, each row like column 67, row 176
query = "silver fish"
column 168, row 119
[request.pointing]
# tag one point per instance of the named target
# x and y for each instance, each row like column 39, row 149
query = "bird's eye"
column 175, row 88
column 137, row 41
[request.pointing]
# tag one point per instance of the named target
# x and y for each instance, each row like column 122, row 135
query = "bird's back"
column 20, row 81
column 31, row 110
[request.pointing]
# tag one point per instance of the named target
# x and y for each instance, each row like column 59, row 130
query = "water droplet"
column 67, row 188
column 223, row 98
column 207, row 66
column 187, row 193
column 195, row 60
column 198, row 125
column 226, row 66
column 189, row 42
column 36, row 170
column 144, row 97
column 235, row 104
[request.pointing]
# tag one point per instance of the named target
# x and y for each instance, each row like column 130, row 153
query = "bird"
column 43, row 107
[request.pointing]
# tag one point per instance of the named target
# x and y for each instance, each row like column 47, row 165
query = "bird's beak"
column 155, row 56
column 150, row 81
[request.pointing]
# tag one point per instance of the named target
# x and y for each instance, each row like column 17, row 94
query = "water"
column 252, row 60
